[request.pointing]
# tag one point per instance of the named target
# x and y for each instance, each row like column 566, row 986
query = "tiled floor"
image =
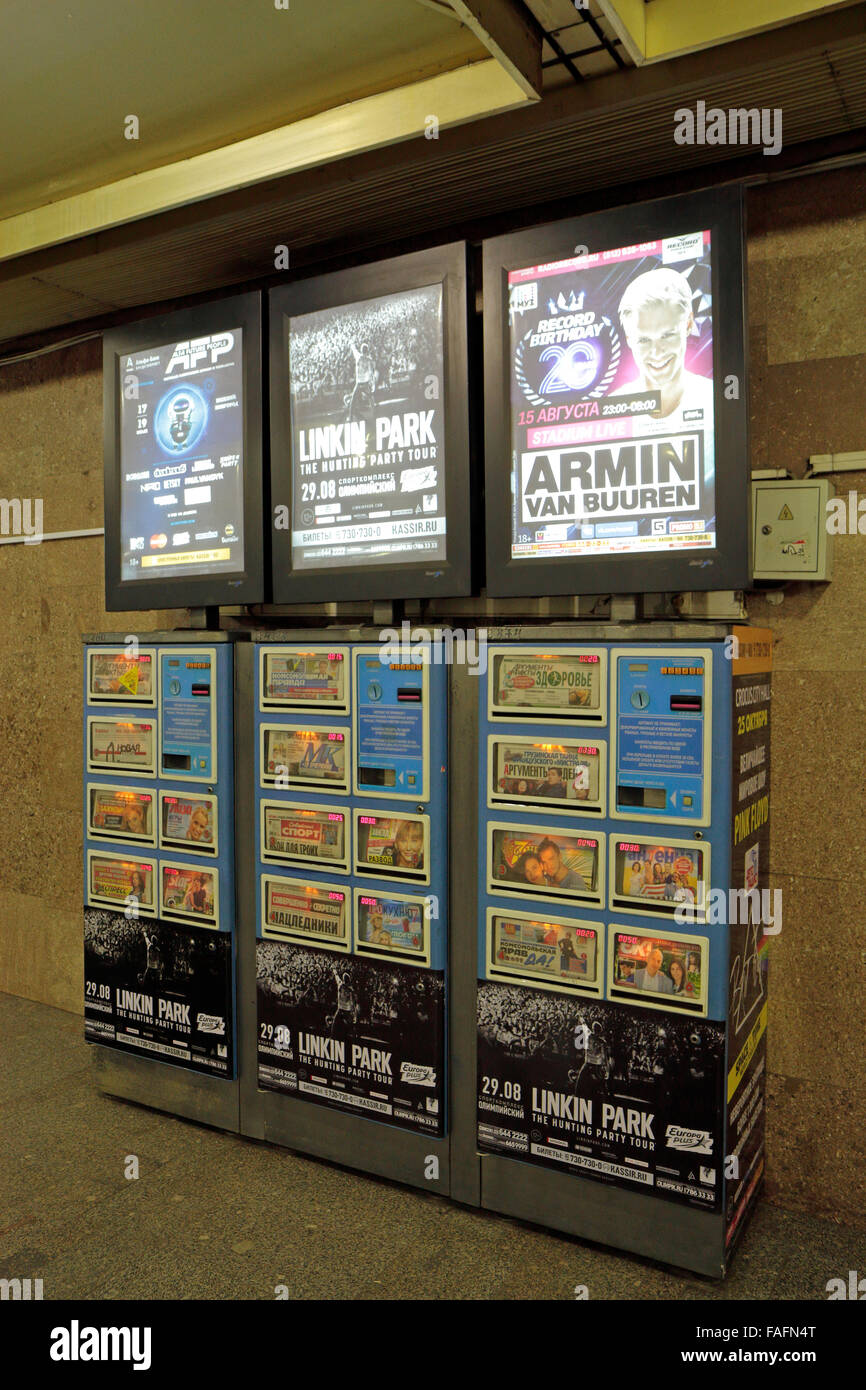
column 215, row 1216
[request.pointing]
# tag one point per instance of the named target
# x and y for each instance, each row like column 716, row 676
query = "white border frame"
column 593, row 898
column 365, row 950
column 137, row 700
column 116, row 770
column 617, row 902
column 546, row 804
column 361, row 866
column 268, row 649
column 497, row 714
column 121, row 839
column 421, row 793
column 312, row 784
column 506, row 975
column 678, row 655
column 190, row 846
column 619, row 994
column 172, row 914
column 327, row 866
column 167, row 654
column 344, row 946
column 142, row 910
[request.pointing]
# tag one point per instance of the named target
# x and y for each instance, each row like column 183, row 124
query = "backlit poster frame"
column 441, row 265
column 726, row 565
column 246, row 585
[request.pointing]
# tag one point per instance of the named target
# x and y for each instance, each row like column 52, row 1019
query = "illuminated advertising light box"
column 183, row 458
column 370, row 431
column 615, row 398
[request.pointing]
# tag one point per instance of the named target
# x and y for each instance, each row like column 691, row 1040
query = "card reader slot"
column 653, row 797
column 377, row 776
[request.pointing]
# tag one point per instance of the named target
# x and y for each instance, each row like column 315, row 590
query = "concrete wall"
column 807, row 246
column 50, row 448
column 807, row 321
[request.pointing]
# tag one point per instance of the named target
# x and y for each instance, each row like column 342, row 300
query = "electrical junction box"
column 790, row 529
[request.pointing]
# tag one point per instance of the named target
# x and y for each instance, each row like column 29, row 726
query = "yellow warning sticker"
column 129, row 679
column 786, row 514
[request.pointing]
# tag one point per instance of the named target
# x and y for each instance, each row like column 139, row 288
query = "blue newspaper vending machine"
column 623, row 847
column 159, row 848
column 350, row 904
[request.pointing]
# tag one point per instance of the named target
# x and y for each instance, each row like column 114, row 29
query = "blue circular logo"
column 180, row 419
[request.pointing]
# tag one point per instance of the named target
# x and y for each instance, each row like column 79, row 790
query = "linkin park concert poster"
column 159, row 990
column 360, row 1035
column 368, row 418
column 627, row 1096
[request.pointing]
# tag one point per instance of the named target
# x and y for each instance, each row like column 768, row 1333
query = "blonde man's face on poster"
column 657, row 336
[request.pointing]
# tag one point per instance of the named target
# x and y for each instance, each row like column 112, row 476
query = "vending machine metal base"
column 347, row 972
column 159, row 915
column 621, row 862
column 205, row 1099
